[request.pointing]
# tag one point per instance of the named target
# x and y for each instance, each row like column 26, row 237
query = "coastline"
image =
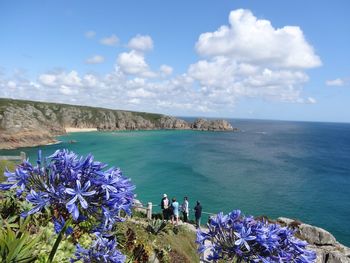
column 72, row 129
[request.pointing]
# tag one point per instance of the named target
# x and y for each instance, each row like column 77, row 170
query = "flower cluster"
column 73, row 187
column 235, row 237
column 102, row 250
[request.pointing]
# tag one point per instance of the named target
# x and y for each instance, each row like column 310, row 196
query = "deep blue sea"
column 298, row 170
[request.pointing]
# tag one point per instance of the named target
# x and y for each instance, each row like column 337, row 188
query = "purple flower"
column 103, row 249
column 40, row 200
column 17, row 179
column 238, row 238
column 63, row 183
column 78, row 194
column 244, row 237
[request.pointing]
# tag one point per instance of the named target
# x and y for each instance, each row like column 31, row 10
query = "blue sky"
column 285, row 60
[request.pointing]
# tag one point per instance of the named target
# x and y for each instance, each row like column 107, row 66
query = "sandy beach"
column 70, row 129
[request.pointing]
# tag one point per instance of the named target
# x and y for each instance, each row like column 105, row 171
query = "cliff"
column 29, row 123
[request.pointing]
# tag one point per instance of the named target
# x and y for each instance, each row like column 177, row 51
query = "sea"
column 299, row 170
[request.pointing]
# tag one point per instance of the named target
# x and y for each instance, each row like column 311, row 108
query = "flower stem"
column 58, row 241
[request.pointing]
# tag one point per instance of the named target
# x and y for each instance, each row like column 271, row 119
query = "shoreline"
column 72, row 130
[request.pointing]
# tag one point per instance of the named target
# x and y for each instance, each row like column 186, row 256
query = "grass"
column 174, row 245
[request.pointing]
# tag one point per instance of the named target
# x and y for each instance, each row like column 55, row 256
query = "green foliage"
column 65, row 249
column 157, row 226
column 16, row 243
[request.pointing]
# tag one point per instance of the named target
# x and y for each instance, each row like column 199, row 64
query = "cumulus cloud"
column 113, row 40
column 335, row 82
column 141, row 43
column 253, row 40
column 249, row 57
column 90, row 34
column 96, row 59
column 133, row 63
column 60, row 78
column 166, row 70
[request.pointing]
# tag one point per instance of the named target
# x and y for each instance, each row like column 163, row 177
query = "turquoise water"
column 293, row 169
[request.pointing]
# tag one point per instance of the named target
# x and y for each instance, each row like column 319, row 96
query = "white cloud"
column 113, row 40
column 234, row 66
column 250, row 58
column 166, row 70
column 133, row 63
column 256, row 41
column 90, row 80
column 11, row 84
column 335, row 82
column 60, row 78
column 141, row 93
column 48, row 79
column 141, row 43
column 66, row 90
column 90, row 34
column 311, row 100
column 96, row 59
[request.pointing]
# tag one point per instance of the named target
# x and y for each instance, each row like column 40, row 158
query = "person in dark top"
column 165, row 203
column 198, row 214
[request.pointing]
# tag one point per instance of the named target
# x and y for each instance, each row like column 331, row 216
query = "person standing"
column 185, row 210
column 175, row 208
column 198, row 214
column 165, row 206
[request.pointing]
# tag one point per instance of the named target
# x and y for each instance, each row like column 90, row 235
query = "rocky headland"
column 325, row 245
column 29, row 123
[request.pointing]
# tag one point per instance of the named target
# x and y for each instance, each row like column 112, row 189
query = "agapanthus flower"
column 78, row 194
column 103, row 249
column 234, row 237
column 75, row 185
column 39, row 200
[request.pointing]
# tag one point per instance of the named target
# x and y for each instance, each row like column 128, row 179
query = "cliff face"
column 29, row 123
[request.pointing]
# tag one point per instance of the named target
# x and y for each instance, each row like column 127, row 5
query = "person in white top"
column 185, row 210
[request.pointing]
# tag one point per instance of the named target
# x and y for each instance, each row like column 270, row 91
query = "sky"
column 284, row 60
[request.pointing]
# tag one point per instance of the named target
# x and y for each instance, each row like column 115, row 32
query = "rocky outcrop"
column 321, row 241
column 211, row 125
column 29, row 123
column 168, row 122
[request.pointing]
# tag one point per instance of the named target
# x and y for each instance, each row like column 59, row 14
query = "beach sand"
column 70, row 129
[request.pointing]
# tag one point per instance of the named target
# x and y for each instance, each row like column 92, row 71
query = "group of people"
column 171, row 210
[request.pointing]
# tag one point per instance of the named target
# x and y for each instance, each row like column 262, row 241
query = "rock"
column 168, row 122
column 212, row 125
column 285, row 221
column 320, row 241
column 316, row 235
